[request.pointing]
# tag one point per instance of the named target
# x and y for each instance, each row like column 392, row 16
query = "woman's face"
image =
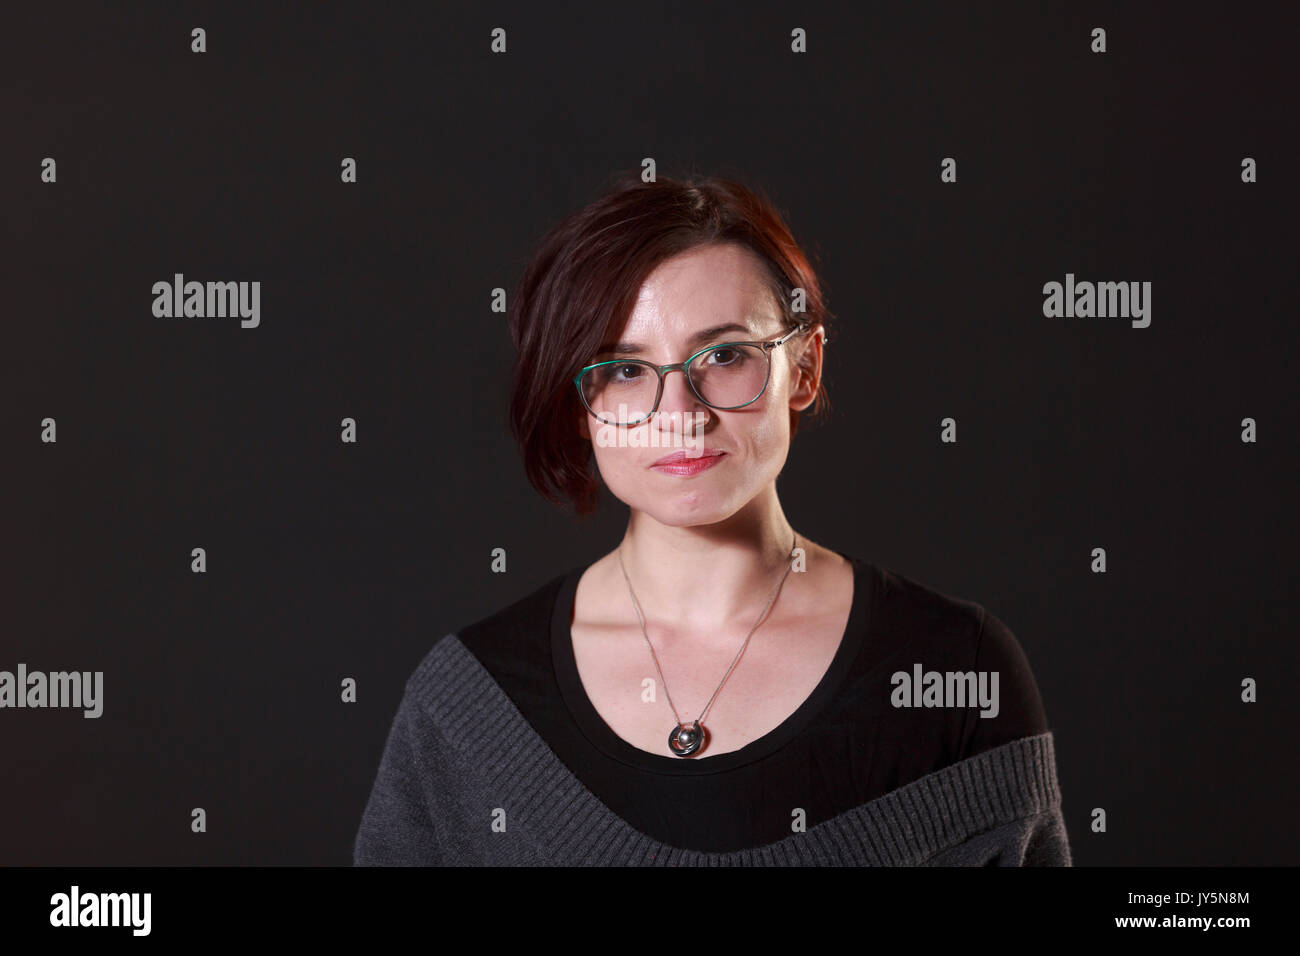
column 706, row 287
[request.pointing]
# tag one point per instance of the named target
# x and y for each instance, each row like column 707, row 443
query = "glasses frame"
column 768, row 346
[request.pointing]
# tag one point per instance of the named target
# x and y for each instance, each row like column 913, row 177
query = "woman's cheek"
column 768, row 436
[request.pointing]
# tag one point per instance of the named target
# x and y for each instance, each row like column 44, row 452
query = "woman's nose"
column 677, row 395
column 682, row 417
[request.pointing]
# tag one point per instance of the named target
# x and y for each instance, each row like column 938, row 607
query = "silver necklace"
column 689, row 737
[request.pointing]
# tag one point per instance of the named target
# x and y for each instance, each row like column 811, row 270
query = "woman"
column 718, row 689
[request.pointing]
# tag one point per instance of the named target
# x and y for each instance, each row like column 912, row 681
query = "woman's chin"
column 694, row 507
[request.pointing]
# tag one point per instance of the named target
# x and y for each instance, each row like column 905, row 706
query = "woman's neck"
column 706, row 576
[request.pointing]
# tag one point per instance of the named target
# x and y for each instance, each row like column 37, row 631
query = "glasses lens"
column 730, row 375
column 620, row 393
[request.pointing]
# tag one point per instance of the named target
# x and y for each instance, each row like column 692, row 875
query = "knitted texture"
column 465, row 780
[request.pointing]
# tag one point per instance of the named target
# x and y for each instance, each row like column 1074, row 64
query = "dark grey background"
column 328, row 560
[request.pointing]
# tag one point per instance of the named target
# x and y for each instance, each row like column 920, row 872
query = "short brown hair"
column 585, row 276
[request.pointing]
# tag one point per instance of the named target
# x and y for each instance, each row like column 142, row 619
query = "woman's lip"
column 689, row 466
column 689, row 456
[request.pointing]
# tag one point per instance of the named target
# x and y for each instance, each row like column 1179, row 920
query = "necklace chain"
column 641, row 618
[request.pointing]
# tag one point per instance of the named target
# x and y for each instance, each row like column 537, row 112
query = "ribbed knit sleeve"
column 1005, row 803
column 397, row 826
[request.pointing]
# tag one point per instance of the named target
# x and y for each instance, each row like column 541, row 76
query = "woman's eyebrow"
column 699, row 338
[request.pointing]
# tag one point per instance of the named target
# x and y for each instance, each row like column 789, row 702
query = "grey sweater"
column 465, row 780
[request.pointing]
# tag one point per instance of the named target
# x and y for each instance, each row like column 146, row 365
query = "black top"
column 848, row 742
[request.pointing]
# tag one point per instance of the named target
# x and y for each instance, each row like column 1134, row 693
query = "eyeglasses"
column 725, row 376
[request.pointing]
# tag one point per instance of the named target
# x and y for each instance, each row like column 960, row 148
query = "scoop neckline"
column 602, row 736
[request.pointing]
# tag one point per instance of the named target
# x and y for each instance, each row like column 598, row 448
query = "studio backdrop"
column 1058, row 242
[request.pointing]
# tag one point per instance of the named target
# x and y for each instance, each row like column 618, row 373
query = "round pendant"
column 686, row 738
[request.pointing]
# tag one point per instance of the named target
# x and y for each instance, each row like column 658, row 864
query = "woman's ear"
column 807, row 371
